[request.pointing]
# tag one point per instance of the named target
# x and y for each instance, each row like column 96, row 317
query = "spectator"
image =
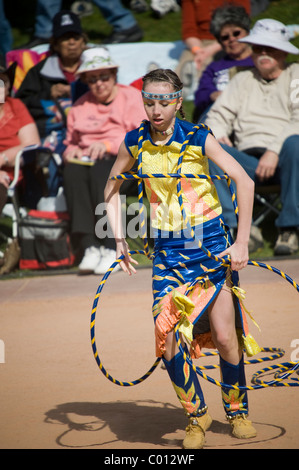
column 46, row 89
column 260, row 108
column 200, row 42
column 18, row 129
column 97, row 124
column 228, row 24
column 125, row 27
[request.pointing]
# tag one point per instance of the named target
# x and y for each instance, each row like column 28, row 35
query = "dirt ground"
column 54, row 396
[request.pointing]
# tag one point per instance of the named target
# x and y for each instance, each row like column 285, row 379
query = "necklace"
column 165, row 133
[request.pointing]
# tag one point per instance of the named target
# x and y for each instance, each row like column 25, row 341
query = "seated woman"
column 17, row 130
column 97, row 124
column 46, row 89
column 229, row 23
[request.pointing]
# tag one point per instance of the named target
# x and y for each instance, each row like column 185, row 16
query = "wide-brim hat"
column 271, row 33
column 96, row 58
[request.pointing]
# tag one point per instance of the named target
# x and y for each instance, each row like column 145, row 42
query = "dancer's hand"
column 238, row 253
column 122, row 248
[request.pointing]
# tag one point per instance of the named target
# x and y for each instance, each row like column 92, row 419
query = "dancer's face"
column 161, row 113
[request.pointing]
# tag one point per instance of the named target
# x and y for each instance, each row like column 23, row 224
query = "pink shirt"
column 89, row 121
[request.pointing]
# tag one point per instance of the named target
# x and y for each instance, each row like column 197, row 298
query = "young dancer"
column 211, row 305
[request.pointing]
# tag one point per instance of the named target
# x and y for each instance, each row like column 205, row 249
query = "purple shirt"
column 215, row 78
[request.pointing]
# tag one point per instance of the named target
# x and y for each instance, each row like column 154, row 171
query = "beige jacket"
column 259, row 113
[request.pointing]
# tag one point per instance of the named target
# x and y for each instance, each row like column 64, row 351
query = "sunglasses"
column 104, row 78
column 234, row 34
column 70, row 35
column 258, row 49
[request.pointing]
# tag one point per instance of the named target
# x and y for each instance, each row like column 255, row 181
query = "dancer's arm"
column 123, row 163
column 245, row 196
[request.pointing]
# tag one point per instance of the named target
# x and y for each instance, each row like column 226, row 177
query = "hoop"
column 92, row 332
column 286, row 369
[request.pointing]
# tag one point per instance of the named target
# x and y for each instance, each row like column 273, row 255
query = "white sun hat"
column 95, row 58
column 271, row 33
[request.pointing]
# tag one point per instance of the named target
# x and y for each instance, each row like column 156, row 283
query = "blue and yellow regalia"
column 178, row 261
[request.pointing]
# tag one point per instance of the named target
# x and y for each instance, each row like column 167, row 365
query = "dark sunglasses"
column 70, row 35
column 235, row 34
column 258, row 49
column 104, row 78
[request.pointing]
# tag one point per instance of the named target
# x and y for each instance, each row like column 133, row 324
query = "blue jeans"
column 287, row 174
column 114, row 12
column 45, row 12
column 6, row 39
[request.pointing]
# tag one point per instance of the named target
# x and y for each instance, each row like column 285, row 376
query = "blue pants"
column 287, row 175
column 114, row 12
column 6, row 39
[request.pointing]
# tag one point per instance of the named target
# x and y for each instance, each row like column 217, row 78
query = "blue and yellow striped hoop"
column 283, row 371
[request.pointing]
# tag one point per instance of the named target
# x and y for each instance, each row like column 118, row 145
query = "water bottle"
column 51, row 141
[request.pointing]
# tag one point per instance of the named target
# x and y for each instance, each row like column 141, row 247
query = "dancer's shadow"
column 150, row 422
column 138, row 421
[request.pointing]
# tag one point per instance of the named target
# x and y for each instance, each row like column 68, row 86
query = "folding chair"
column 267, row 202
column 36, row 165
column 12, row 210
column 40, row 238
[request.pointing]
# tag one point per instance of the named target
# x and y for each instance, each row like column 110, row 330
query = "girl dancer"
column 211, row 306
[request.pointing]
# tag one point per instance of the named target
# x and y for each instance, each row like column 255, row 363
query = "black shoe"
column 133, row 34
column 139, row 6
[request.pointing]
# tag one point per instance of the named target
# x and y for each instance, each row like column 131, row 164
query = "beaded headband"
column 161, row 96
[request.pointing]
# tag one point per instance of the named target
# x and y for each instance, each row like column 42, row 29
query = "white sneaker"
column 108, row 257
column 162, row 7
column 287, row 243
column 90, row 260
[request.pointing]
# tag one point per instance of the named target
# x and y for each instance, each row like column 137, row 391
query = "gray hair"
column 229, row 14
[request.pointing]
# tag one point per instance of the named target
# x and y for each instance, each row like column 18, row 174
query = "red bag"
column 44, row 240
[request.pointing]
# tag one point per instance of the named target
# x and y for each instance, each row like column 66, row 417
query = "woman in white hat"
column 96, row 126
